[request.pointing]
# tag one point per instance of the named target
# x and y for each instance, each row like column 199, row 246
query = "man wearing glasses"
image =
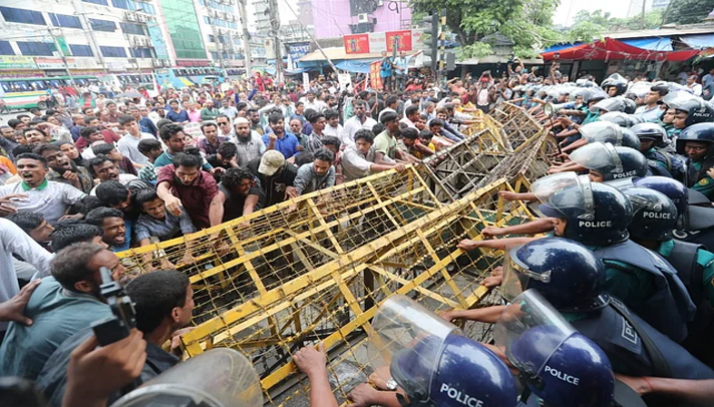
column 224, row 127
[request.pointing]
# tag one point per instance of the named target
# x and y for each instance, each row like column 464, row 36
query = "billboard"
column 17, row 62
column 375, row 80
column 373, row 43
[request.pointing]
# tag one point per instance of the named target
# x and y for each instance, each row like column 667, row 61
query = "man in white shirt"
column 333, row 127
column 358, row 160
column 128, row 145
column 412, row 116
column 313, row 103
column 227, row 109
column 401, row 69
column 650, row 111
column 693, row 86
column 357, row 122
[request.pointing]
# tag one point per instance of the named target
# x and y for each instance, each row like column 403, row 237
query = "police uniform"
column 591, row 117
column 704, row 185
column 648, row 285
column 626, row 350
column 658, row 163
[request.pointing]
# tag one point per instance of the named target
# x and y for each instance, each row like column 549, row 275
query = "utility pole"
column 314, row 41
column 61, row 53
column 275, row 31
column 644, row 22
column 246, row 35
column 89, row 33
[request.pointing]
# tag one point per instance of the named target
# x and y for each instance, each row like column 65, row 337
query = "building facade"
column 336, row 18
column 111, row 36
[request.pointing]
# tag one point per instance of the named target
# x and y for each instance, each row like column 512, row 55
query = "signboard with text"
column 54, row 63
column 373, row 43
column 17, row 62
column 375, row 80
column 298, row 50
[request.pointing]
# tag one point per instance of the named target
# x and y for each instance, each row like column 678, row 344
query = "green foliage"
column 688, row 11
column 476, row 50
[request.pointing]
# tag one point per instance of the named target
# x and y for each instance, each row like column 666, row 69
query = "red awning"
column 612, row 49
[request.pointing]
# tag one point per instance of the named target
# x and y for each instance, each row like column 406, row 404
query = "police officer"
column 689, row 110
column 432, row 362
column 696, row 143
column 614, row 104
column 652, row 227
column 652, row 142
column 614, row 85
column 559, row 366
column 604, row 132
column 606, row 162
column 597, row 215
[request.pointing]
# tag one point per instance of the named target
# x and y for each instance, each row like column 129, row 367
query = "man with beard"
column 237, row 196
column 254, row 117
column 184, row 187
column 59, row 307
column 35, row 193
column 7, row 141
column 64, row 170
column 111, row 221
column 71, row 151
column 250, row 145
column 286, row 143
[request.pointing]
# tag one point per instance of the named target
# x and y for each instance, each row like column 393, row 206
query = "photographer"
column 163, row 301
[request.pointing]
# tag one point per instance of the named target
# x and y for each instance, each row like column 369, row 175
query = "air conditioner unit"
column 216, row 13
column 151, row 18
column 223, row 15
column 362, row 18
column 136, row 42
column 146, row 42
column 156, row 62
column 130, row 16
column 221, row 31
column 142, row 18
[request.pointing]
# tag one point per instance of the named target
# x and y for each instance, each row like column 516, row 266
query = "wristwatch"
column 392, row 384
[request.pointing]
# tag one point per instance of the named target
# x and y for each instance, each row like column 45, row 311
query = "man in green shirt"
column 385, row 144
column 209, row 112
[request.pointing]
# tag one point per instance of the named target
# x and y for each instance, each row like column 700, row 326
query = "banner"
column 374, row 43
column 356, row 44
column 17, row 62
column 345, row 80
column 305, row 80
column 298, row 50
column 375, row 80
column 55, row 63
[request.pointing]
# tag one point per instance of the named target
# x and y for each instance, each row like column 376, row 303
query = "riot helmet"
column 651, row 131
column 563, row 271
column 596, row 214
column 655, row 215
column 620, row 119
column 673, row 189
column 433, row 362
column 700, row 132
column 615, row 80
column 595, row 95
column 608, row 132
column 610, row 162
column 616, row 104
column 697, row 111
column 558, row 364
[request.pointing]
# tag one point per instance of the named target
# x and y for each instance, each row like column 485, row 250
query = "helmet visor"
column 566, row 193
column 602, row 131
column 516, row 276
column 515, row 331
column 608, row 105
column 599, row 157
column 681, row 100
column 546, row 186
column 409, row 338
column 640, row 89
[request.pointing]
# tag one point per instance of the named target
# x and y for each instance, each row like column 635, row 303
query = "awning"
column 651, row 43
column 355, row 66
column 558, row 47
column 611, row 49
column 698, row 41
column 297, row 71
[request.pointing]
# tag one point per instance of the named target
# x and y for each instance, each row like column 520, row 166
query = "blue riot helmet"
column 615, row 80
column 608, row 132
column 673, row 189
column 701, row 132
column 595, row 95
column 650, row 131
column 609, row 162
column 619, row 118
column 560, row 366
column 697, row 110
column 433, row 362
column 561, row 270
column 597, row 214
column 655, row 215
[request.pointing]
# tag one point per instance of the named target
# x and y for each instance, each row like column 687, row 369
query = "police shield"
column 598, row 156
column 433, row 362
column 217, row 378
column 579, row 201
column 605, row 132
column 558, row 364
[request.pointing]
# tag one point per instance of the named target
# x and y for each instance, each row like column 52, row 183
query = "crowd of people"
column 82, row 181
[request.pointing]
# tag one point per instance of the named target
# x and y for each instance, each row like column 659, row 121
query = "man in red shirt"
column 183, row 186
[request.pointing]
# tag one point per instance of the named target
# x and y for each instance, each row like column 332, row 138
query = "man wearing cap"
column 250, row 145
column 276, row 177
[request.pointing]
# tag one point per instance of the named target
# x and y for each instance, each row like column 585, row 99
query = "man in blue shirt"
column 141, row 115
column 279, row 140
column 385, row 72
column 176, row 114
column 175, row 140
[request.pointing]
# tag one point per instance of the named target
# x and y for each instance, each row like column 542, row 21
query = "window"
column 100, row 2
column 140, row 52
column 61, row 20
column 16, row 15
column 131, row 28
column 5, row 48
column 102, row 25
column 36, row 48
column 116, row 52
column 125, row 4
column 81, row 50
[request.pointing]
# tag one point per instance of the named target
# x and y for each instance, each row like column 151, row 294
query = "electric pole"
column 89, row 33
column 246, row 35
column 275, row 31
column 62, row 56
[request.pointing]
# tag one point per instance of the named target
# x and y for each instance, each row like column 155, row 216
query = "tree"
column 687, row 11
